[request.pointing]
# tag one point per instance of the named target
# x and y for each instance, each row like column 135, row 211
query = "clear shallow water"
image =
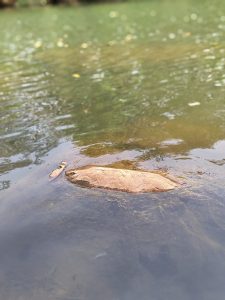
column 100, row 85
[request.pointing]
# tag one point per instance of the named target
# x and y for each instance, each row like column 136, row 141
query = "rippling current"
column 133, row 85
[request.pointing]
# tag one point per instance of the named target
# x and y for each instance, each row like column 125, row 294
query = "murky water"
column 134, row 84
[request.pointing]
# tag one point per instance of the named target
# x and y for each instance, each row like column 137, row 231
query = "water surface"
column 135, row 85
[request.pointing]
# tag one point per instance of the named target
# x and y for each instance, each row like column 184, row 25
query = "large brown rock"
column 133, row 181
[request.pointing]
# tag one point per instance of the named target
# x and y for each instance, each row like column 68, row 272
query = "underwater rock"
column 55, row 173
column 132, row 181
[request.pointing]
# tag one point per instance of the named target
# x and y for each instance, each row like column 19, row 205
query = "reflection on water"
column 131, row 85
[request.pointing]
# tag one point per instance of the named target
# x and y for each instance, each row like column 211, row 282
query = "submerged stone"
column 58, row 171
column 132, row 181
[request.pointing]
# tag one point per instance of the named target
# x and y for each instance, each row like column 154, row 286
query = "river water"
column 134, row 85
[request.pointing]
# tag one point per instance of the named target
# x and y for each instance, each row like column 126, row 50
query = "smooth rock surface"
column 133, row 181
